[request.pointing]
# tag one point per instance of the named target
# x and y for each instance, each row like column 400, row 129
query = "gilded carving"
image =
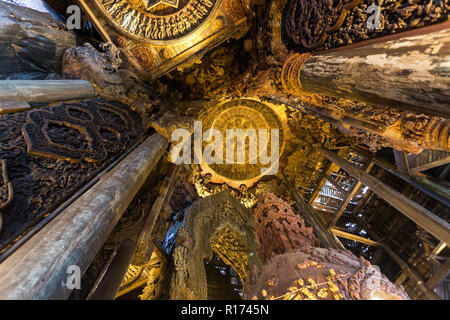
column 308, row 272
column 279, row 229
column 244, row 114
column 234, row 8
column 217, row 223
column 290, row 73
column 144, row 56
column 157, row 21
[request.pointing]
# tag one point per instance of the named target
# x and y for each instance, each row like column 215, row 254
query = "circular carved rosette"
column 234, row 9
column 157, row 21
column 259, row 130
column 144, row 56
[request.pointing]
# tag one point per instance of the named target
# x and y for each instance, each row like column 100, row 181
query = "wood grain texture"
column 45, row 90
column 32, row 43
column 410, row 73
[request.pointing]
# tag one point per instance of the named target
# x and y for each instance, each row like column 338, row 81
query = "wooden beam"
column 412, row 274
column 428, row 159
column 42, row 91
column 350, row 194
column 326, row 171
column 144, row 244
column 339, row 232
column 334, row 183
column 434, row 190
column 109, row 283
column 436, row 226
column 440, row 275
column 327, row 238
column 38, row 269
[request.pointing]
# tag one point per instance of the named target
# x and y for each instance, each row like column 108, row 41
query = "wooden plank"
column 327, row 238
column 401, row 161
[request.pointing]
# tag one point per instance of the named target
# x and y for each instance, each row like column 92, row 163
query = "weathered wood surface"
column 38, row 269
column 109, row 284
column 436, row 226
column 32, row 43
column 410, row 73
column 45, row 90
column 428, row 159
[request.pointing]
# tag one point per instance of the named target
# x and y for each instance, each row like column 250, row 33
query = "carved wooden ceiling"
column 165, row 34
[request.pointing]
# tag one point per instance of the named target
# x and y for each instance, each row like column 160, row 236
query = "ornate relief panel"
column 162, row 34
column 245, row 114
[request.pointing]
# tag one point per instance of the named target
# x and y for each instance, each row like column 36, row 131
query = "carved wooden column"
column 409, row 73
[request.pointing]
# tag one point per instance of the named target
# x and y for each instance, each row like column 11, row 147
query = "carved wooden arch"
column 207, row 222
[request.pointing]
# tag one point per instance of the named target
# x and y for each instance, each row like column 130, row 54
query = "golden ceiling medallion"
column 157, row 21
column 244, row 114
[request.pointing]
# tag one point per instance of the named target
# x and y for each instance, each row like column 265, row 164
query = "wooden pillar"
column 436, row 226
column 409, row 73
column 109, row 283
column 42, row 91
column 38, row 269
column 428, row 187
